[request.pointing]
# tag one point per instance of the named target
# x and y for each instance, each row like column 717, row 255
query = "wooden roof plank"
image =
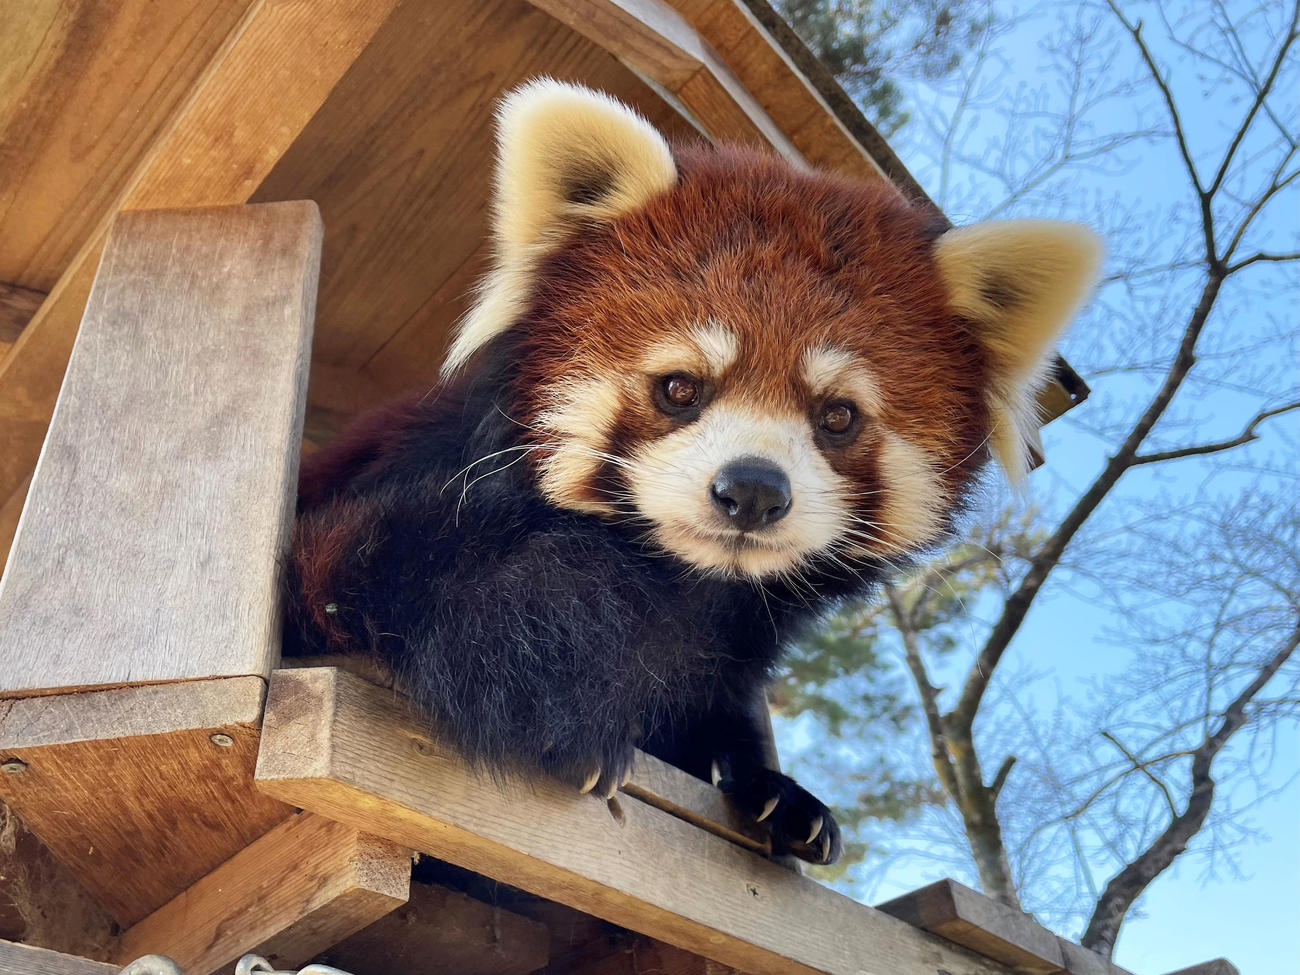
column 343, row 748
column 298, row 52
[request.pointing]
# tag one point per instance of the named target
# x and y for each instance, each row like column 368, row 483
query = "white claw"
column 627, row 777
column 768, row 807
column 826, row 847
column 591, row 781
column 715, row 773
column 611, row 792
column 816, row 828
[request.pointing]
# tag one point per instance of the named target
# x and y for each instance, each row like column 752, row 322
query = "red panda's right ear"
column 566, row 155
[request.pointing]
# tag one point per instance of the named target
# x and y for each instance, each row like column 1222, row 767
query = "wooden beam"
column 16, row 959
column 336, row 745
column 658, row 784
column 140, row 791
column 764, row 68
column 444, row 932
column 149, row 546
column 1219, row 966
column 654, row 39
column 199, row 158
column 966, row 917
column 303, row 887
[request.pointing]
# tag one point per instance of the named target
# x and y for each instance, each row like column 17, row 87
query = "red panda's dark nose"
column 751, row 492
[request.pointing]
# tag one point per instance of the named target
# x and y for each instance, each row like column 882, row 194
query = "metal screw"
column 14, row 765
column 221, row 740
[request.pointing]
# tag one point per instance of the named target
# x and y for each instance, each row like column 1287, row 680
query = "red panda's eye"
column 837, row 418
column 681, row 391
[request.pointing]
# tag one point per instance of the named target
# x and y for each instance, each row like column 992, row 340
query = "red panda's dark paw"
column 798, row 822
column 598, row 774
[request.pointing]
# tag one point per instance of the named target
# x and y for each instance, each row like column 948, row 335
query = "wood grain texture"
column 641, row 956
column 1219, row 966
column 654, row 39
column 341, row 747
column 782, row 91
column 968, row 918
column 17, row 306
column 41, row 902
column 303, row 887
column 658, row 784
column 444, row 932
column 400, row 160
column 18, row 959
column 149, row 547
column 85, row 89
column 298, row 51
column 128, row 789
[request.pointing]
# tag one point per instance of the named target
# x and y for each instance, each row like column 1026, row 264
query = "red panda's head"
column 761, row 365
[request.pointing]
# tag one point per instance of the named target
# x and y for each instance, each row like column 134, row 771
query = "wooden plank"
column 85, row 88
column 1219, row 966
column 655, row 40
column 199, row 158
column 129, row 788
column 400, row 160
column 170, row 466
column 680, row 794
column 343, row 748
column 1081, row 961
column 17, row 306
column 778, row 86
column 440, row 931
column 968, row 918
column 41, row 902
column 641, row 955
column 16, row 959
column 304, row 886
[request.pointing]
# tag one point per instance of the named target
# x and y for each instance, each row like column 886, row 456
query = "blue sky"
column 1248, row 909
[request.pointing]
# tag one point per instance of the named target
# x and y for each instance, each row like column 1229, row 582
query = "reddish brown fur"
column 787, row 260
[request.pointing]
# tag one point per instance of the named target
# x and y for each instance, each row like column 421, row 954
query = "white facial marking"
column 670, row 479
column 706, row 350
column 717, row 345
column 580, row 423
column 828, row 370
column 912, row 512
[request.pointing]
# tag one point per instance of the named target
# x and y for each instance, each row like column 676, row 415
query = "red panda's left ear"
column 566, row 155
column 1018, row 283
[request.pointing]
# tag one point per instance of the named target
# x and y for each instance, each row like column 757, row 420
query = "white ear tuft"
column 565, row 155
column 1018, row 283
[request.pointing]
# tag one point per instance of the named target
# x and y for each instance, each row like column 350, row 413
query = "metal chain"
column 248, row 965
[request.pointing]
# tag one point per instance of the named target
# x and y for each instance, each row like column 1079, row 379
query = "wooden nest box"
column 173, row 332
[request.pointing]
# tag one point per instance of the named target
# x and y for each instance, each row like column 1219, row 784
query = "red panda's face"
column 756, row 368
column 752, row 365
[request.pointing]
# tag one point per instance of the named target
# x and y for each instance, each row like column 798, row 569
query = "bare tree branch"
column 1246, row 436
column 1256, row 258
column 1000, row 779
column 1126, row 886
column 1261, row 93
column 1145, row 769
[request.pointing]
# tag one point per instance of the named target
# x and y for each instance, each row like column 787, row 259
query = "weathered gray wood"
column 147, row 550
column 1219, row 966
column 25, row 960
column 968, row 918
column 345, row 749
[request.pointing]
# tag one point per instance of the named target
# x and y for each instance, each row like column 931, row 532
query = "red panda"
column 702, row 396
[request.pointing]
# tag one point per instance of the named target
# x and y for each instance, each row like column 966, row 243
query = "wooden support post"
column 343, row 748
column 304, row 886
column 144, row 572
column 18, row 959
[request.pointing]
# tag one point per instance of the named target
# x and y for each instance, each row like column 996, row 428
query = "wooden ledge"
column 343, row 748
